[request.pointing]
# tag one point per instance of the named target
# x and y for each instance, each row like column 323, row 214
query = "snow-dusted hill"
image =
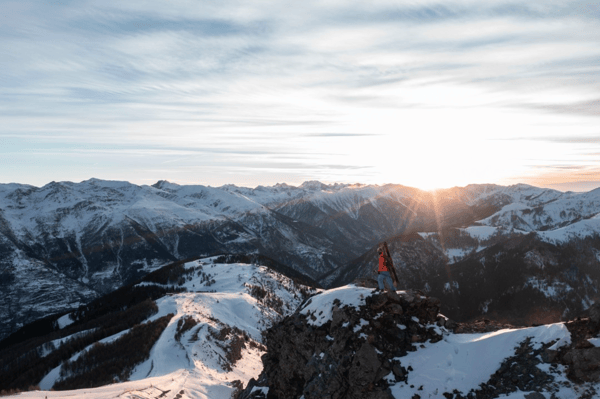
column 225, row 307
column 92, row 237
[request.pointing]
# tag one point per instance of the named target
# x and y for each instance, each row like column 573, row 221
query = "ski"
column 388, row 257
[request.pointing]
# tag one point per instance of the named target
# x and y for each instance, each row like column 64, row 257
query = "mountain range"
column 477, row 247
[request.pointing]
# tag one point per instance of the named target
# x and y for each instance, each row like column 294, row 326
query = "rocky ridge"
column 355, row 342
column 353, row 354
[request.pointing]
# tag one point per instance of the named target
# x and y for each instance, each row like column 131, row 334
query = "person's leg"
column 380, row 278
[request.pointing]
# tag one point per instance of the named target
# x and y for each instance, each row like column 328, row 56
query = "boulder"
column 584, row 364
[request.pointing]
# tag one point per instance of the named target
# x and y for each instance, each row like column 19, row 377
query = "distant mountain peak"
column 315, row 185
column 165, row 184
column 283, row 185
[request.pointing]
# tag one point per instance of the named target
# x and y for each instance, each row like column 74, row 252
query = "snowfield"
column 463, row 361
column 585, row 228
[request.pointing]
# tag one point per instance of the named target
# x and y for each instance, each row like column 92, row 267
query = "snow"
column 552, row 290
column 114, row 201
column 360, row 325
column 581, row 229
column 64, row 321
column 50, row 379
column 481, row 232
column 545, row 210
column 515, row 206
column 264, row 390
column 57, row 342
column 463, row 361
column 196, row 366
column 321, row 305
column 595, row 341
column 458, row 361
column 456, row 254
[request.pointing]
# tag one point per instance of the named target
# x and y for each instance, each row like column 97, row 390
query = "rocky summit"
column 358, row 342
column 350, row 349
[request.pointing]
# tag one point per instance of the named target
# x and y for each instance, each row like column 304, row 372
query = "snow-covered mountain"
column 89, row 238
column 241, row 329
column 534, row 260
column 210, row 338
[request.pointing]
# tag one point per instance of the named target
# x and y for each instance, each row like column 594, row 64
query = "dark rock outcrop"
column 581, row 357
column 336, row 347
column 352, row 354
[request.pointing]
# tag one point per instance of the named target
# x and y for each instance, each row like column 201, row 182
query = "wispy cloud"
column 569, row 139
column 324, row 83
column 588, row 108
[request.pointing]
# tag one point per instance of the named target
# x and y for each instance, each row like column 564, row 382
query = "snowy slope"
column 556, row 218
column 547, row 210
column 197, row 362
column 464, row 361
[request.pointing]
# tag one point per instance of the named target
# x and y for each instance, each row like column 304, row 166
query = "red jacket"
column 382, row 264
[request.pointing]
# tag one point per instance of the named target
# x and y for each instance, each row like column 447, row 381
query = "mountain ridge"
column 99, row 235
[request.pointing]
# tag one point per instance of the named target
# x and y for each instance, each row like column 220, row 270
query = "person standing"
column 383, row 272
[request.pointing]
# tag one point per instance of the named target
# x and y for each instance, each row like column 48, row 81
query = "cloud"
column 569, row 139
column 587, row 108
column 580, row 186
column 239, row 80
column 340, row 135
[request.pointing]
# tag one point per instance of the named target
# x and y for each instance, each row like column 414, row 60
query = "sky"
column 428, row 94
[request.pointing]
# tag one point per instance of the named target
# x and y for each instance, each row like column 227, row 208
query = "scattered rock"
column 366, row 282
column 480, row 326
column 516, row 373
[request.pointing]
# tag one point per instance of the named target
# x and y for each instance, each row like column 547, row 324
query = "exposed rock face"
column 336, row 346
column 351, row 354
column 582, row 358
